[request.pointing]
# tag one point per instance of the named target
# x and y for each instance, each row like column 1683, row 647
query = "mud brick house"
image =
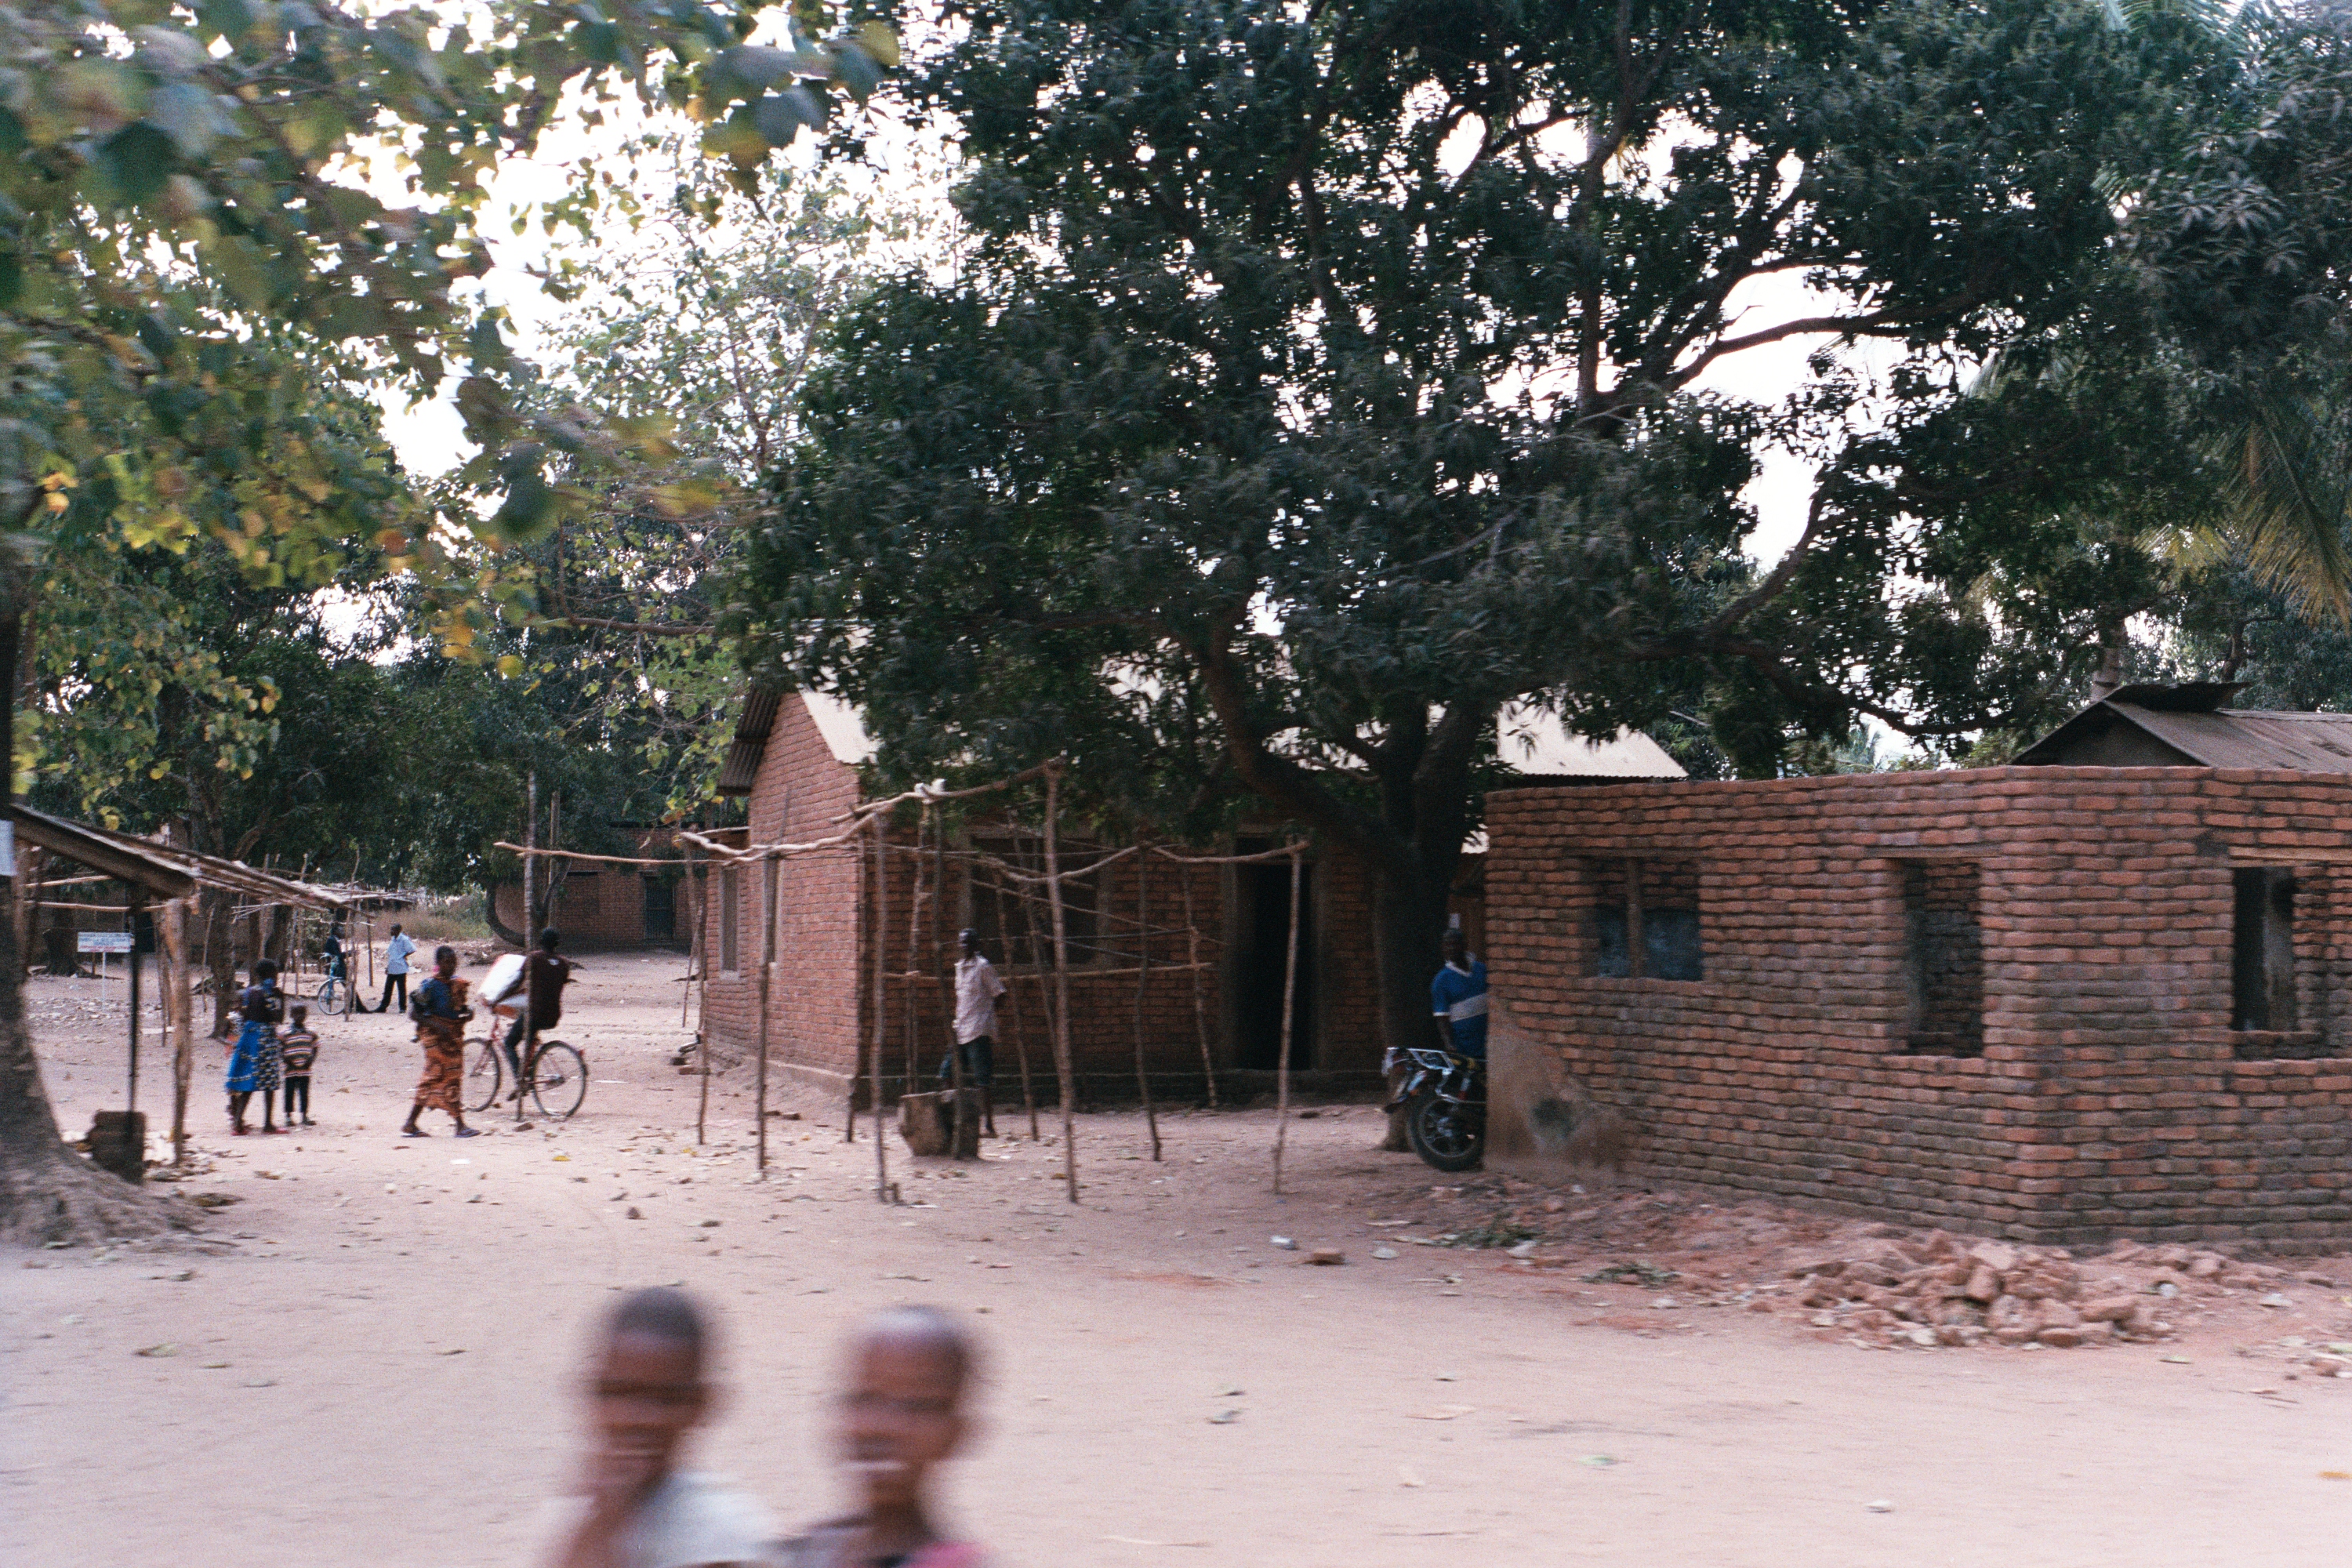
column 606, row 906
column 795, row 763
column 2057, row 1003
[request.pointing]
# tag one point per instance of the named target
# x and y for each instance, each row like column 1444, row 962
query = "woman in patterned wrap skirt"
column 441, row 1013
column 253, row 1061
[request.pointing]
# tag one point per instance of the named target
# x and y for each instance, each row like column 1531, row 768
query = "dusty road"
column 377, row 1367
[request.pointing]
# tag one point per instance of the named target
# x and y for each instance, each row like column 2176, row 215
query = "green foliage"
column 1322, row 378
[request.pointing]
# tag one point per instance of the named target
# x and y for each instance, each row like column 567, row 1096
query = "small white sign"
column 7, row 847
column 102, row 941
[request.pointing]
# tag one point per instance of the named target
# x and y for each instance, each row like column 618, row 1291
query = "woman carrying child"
column 441, row 1013
column 254, row 1065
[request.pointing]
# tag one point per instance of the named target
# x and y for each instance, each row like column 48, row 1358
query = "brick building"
column 2054, row 1002
column 602, row 906
column 795, row 762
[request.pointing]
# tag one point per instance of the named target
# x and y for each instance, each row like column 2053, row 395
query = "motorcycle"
column 1444, row 1100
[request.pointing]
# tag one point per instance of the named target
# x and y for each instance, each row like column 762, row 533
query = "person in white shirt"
column 976, row 988
column 395, row 970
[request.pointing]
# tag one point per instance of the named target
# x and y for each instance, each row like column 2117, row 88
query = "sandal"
column 469, row 1133
column 415, row 1133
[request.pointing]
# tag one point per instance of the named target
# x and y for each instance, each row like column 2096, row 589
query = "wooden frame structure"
column 170, row 875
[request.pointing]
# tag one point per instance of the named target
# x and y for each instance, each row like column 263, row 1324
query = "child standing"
column 254, row 1066
column 901, row 1417
column 297, row 1048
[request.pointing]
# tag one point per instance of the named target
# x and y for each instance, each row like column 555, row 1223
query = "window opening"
column 730, row 920
column 2262, row 950
column 1944, row 959
column 1647, row 920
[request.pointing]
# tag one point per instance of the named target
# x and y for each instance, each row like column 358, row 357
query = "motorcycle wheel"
column 1446, row 1137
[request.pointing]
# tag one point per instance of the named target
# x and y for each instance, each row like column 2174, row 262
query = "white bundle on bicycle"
column 501, row 990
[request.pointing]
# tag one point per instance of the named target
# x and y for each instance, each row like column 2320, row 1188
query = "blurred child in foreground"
column 647, row 1391
column 901, row 1417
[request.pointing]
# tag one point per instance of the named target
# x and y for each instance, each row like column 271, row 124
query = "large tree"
column 1335, row 375
column 194, row 220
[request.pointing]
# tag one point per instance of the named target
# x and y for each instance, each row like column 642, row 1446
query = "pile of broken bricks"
column 1938, row 1290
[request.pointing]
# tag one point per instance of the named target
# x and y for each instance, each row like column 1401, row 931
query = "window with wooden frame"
column 1645, row 919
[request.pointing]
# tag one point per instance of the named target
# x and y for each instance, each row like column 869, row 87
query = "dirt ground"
column 336, row 1376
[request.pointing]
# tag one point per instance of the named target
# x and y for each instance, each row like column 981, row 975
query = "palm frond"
column 2289, row 488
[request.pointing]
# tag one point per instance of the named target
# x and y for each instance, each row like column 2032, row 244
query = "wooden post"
column 138, row 901
column 1061, row 983
column 1013, row 995
column 767, row 972
column 881, row 928
column 179, row 1018
column 530, row 860
column 914, row 936
column 1142, row 981
column 1289, row 1004
column 698, row 964
column 1200, row 1001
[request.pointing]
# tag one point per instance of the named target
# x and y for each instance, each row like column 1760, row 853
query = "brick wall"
column 814, row 1002
column 602, row 906
column 2111, row 1095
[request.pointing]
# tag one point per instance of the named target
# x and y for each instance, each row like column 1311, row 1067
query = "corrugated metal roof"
column 2253, row 738
column 752, row 727
column 2214, row 738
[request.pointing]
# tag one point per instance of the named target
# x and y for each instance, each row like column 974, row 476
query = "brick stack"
column 2111, row 1095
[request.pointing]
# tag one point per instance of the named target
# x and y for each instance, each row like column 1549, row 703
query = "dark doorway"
column 661, row 910
column 1262, row 951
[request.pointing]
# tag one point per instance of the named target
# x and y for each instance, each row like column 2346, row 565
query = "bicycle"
column 334, row 993
column 556, row 1073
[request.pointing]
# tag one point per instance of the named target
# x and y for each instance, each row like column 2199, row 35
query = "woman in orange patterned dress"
column 441, row 1013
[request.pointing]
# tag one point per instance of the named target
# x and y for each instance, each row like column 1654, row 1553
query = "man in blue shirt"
column 1458, row 995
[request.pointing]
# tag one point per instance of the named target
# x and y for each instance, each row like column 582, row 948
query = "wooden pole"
column 1200, row 1001
column 1061, row 984
column 767, row 974
column 914, row 937
column 1142, row 981
column 138, row 901
column 1289, row 1003
column 529, row 861
column 699, row 964
column 881, row 995
column 1013, row 995
column 179, row 1015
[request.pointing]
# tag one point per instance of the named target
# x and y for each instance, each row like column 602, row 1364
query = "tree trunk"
column 220, row 955
column 499, row 928
column 1408, row 932
column 47, row 1192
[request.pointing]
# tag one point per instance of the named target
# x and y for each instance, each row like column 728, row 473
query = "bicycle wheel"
column 482, row 1076
column 558, row 1079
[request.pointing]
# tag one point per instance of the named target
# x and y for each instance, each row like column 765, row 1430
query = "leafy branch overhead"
column 226, row 226
column 189, row 198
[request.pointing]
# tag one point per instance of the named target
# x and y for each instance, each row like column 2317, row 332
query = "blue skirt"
column 255, row 1066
